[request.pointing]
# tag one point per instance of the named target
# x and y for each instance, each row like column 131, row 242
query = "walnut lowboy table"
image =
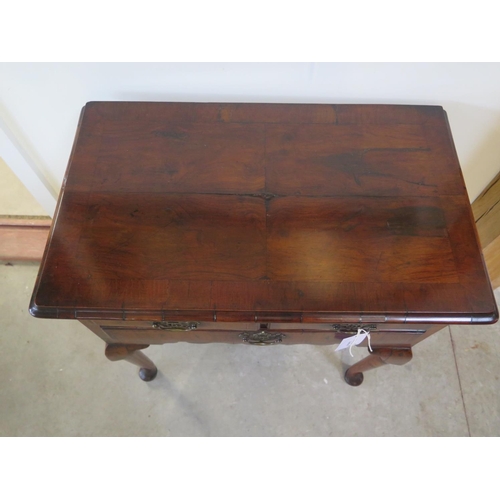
column 263, row 224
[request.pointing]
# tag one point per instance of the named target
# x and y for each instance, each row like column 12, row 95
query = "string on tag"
column 360, row 332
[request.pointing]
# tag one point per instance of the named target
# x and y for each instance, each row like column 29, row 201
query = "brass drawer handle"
column 353, row 327
column 175, row 326
column 262, row 338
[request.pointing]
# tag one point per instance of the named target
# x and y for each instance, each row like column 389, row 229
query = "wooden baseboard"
column 492, row 257
column 23, row 238
column 486, row 209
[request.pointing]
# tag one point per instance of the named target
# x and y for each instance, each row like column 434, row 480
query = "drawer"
column 147, row 332
column 347, row 328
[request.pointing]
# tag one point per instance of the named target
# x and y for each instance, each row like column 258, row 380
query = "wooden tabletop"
column 255, row 212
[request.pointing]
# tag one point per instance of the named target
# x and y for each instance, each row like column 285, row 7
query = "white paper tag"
column 350, row 341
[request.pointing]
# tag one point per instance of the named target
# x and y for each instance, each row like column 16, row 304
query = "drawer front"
column 148, row 332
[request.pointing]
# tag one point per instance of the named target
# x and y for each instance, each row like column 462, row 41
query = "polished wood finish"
column 486, row 210
column 287, row 218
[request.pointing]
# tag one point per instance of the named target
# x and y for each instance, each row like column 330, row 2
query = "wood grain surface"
column 260, row 212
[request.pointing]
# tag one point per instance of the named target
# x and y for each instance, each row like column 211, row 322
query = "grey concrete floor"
column 55, row 380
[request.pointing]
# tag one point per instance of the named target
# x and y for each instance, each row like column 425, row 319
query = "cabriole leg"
column 382, row 356
column 132, row 354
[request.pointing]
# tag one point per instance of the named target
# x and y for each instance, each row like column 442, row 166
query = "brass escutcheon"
column 353, row 327
column 176, row 326
column 262, row 338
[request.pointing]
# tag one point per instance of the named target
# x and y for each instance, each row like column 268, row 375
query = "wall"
column 40, row 103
